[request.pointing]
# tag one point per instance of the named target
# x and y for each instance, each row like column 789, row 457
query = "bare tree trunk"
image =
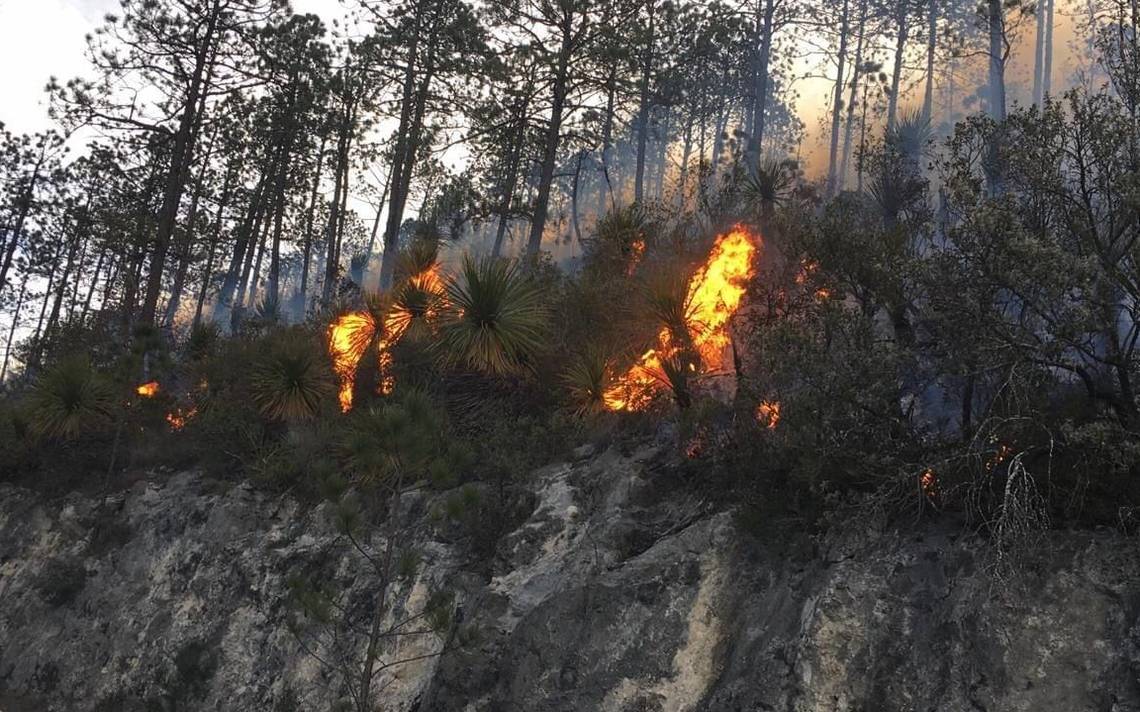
column 307, row 250
column 644, row 108
column 931, row 47
column 607, row 140
column 903, row 19
column 553, row 138
column 996, row 26
column 215, row 239
column 187, row 237
column 760, row 108
column 837, row 102
column 852, row 96
column 181, row 158
column 15, row 324
column 1047, row 70
column 1039, row 52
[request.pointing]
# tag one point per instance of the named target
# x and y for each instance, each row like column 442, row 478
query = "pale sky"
column 44, row 38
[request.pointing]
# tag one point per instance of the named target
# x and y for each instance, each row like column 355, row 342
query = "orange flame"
column 148, row 390
column 178, row 418
column 928, row 481
column 1002, row 454
column 349, row 336
column 768, row 414
column 714, row 294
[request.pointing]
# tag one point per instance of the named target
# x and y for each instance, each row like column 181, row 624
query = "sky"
column 44, row 38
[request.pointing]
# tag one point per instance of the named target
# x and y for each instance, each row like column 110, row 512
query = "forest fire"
column 148, row 390
column 768, row 414
column 714, row 294
column 928, row 482
column 178, row 417
column 351, row 334
column 349, row 337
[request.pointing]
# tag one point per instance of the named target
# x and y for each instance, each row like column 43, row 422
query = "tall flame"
column 349, row 337
column 148, row 390
column 351, row 333
column 714, row 294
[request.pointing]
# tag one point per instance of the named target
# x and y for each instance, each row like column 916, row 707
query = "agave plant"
column 69, row 399
column 495, row 318
column 291, row 381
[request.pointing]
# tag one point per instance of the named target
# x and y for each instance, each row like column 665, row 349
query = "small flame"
column 715, row 293
column 768, row 414
column 636, row 250
column 1002, row 454
column 148, row 390
column 178, row 418
column 928, row 481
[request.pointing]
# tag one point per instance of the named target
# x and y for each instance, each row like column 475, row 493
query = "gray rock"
column 613, row 595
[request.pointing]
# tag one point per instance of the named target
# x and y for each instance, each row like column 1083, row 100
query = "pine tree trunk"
column 837, row 101
column 553, row 140
column 903, row 19
column 760, row 109
column 181, row 158
column 931, row 47
column 852, row 96
column 644, row 108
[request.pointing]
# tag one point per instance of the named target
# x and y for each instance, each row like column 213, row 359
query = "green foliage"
column 588, row 378
column 291, row 382
column 70, row 399
column 496, row 318
column 395, row 439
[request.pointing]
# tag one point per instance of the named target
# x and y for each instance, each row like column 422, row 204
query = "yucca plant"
column 667, row 301
column 416, row 300
column 71, row 398
column 203, row 339
column 291, row 382
column 418, row 257
column 770, row 185
column 910, row 135
column 588, row 378
column 495, row 318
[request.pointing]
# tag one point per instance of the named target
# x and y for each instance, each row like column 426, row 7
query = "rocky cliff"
column 614, row 594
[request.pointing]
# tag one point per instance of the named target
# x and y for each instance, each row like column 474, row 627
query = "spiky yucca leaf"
column 588, row 378
column 292, row 380
column 418, row 257
column 911, row 135
column 495, row 319
column 69, row 399
column 771, row 183
column 667, row 300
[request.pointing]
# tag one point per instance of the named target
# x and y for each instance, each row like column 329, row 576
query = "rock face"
column 616, row 593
